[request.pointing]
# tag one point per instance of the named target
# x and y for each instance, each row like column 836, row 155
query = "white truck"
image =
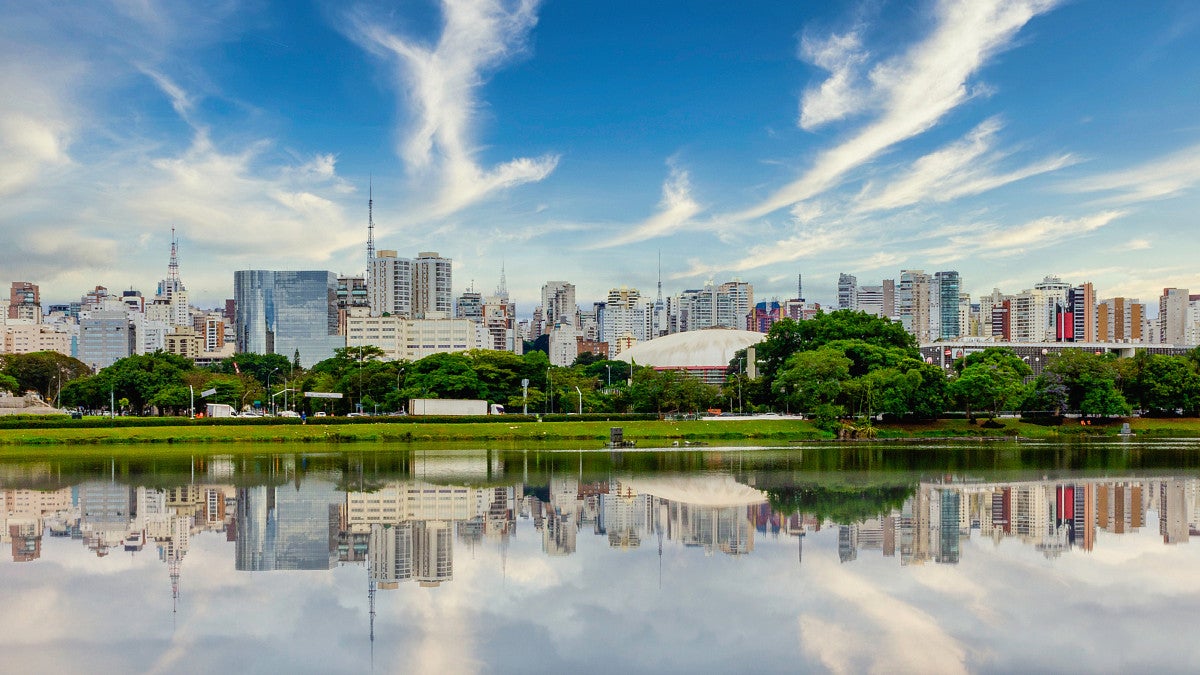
column 218, row 410
column 451, row 406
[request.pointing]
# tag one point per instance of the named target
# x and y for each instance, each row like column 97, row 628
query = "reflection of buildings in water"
column 624, row 515
column 290, row 527
column 407, row 529
column 420, row 551
column 1173, row 512
column 106, row 509
column 23, row 515
column 562, row 512
column 1052, row 516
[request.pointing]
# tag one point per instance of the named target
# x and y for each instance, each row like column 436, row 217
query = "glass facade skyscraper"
column 286, row 312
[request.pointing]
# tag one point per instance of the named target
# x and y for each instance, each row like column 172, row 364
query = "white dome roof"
column 710, row 348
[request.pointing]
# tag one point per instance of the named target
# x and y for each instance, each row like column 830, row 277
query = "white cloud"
column 964, row 168
column 440, row 87
column 675, row 210
column 1160, row 178
column 915, row 89
column 993, row 241
column 841, row 94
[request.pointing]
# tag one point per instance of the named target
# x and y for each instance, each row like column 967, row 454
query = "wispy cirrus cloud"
column 966, row 167
column 675, row 210
column 1160, row 178
column 439, row 86
column 913, row 91
column 990, row 240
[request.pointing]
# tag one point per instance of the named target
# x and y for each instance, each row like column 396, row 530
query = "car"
column 359, row 414
column 319, row 414
column 288, row 413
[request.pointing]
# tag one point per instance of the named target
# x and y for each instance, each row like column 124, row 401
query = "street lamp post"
column 273, row 370
column 740, row 408
column 608, row 366
column 580, row 400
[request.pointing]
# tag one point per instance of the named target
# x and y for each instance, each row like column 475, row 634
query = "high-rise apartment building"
column 286, row 312
column 877, row 300
column 25, row 302
column 1083, row 310
column 847, row 293
column 1173, row 316
column 913, row 304
column 433, row 285
column 390, row 290
column 558, row 305
column 1120, row 320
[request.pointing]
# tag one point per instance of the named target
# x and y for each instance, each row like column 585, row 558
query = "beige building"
column 26, row 338
column 410, row 339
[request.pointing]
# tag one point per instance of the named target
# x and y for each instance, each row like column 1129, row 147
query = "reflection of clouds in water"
column 891, row 634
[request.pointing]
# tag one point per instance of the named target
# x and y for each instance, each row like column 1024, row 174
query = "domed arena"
column 702, row 353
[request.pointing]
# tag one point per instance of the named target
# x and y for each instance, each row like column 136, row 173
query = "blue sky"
column 578, row 140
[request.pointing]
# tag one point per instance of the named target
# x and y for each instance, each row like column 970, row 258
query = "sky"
column 582, row 141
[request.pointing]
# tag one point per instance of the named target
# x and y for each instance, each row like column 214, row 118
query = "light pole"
column 785, row 400
column 608, row 366
column 549, row 392
column 191, row 401
column 269, row 389
column 525, row 396
column 580, row 400
column 740, row 409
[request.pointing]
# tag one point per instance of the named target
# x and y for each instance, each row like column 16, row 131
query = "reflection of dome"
column 712, row 491
column 713, row 347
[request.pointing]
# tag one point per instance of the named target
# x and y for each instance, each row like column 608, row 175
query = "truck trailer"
column 451, row 406
column 218, row 410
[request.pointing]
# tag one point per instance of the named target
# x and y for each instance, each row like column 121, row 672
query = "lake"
column 931, row 557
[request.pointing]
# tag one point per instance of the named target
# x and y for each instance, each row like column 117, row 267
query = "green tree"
column 9, row 384
column 1078, row 372
column 992, row 380
column 813, row 378
column 43, row 372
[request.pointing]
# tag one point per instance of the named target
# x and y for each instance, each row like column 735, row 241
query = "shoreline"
column 693, row 433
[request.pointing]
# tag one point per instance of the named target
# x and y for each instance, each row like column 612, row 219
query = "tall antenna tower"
column 502, row 289
column 370, row 229
column 800, row 287
column 660, row 298
column 173, row 265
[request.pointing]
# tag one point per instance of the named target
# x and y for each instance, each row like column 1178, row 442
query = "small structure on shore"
column 29, row 404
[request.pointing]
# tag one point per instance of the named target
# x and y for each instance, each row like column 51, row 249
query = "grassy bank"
column 645, row 433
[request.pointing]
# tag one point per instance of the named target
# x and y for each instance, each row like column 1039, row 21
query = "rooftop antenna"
column 800, row 287
column 502, row 289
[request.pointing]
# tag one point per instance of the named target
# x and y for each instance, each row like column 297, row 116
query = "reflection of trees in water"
column 840, row 503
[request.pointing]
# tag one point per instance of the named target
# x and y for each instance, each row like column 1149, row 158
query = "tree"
column 43, row 372
column 993, row 379
column 444, row 376
column 9, row 384
column 812, row 378
column 1078, row 372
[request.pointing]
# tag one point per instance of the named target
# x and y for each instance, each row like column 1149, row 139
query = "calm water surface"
column 932, row 558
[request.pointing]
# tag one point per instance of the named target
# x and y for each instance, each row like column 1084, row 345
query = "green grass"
column 645, row 433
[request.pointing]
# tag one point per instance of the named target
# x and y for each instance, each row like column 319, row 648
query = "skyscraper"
column 286, row 312
column 847, row 297
column 950, row 320
column 432, row 285
column 1172, row 316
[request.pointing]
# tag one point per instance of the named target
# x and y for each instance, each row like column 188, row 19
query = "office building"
column 284, row 313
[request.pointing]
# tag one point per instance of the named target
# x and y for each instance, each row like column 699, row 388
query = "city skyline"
column 552, row 141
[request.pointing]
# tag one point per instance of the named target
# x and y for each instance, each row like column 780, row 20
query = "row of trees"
column 840, row 364
column 849, row 363
column 167, row 384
